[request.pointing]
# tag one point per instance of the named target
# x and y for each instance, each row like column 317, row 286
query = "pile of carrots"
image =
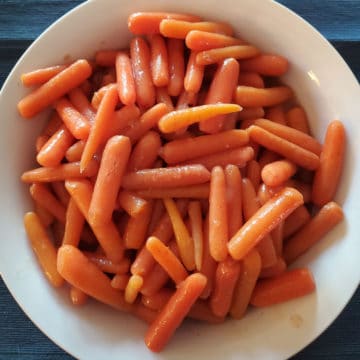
column 178, row 178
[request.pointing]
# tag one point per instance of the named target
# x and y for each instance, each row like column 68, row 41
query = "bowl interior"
column 324, row 86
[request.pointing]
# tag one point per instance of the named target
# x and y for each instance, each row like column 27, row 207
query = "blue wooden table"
column 21, row 21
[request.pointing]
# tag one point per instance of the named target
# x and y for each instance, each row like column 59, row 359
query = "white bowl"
column 324, row 85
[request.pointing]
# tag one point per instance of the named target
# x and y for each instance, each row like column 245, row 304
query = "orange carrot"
column 119, row 281
column 313, row 231
column 99, row 95
column 44, row 215
column 162, row 96
column 131, row 203
column 185, row 100
column 106, row 265
column 82, row 104
column 157, row 213
column 266, row 64
column 192, row 191
column 221, row 90
column 41, row 140
column 55, row 88
column 58, row 187
column 77, row 296
column 295, row 221
column 74, row 224
column 202, row 312
column 112, row 167
column 278, row 172
column 277, row 236
column 249, row 273
column 263, row 221
column 194, row 74
column 140, row 61
column 174, row 312
column 297, row 119
column 252, row 79
column 253, row 173
column 204, row 40
column 155, row 280
column 166, row 177
column 40, row 76
column 327, row 176
column 43, row 247
column 251, row 113
column 179, row 119
column 276, row 113
column 278, row 268
column 98, row 129
column 158, row 300
column 196, row 222
column 78, row 270
column 226, row 277
column 267, row 157
column 287, row 286
column 218, row 221
column 159, row 60
column 291, row 151
column 74, row 152
column 132, row 288
column 175, row 50
column 149, row 22
column 125, row 79
column 106, row 57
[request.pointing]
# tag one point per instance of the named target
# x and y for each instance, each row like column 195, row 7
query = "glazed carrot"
column 77, row 296
column 221, row 90
column 253, row 173
column 267, row 157
column 112, row 167
column 226, row 277
column 295, row 221
column 131, row 203
column 185, row 149
column 162, row 96
column 59, row 173
column 287, row 286
column 55, row 88
column 233, row 198
column 143, row 313
column 278, row 268
column 74, row 152
column 149, row 22
column 125, row 79
column 295, row 136
column 278, row 172
column 251, row 113
column 174, row 312
column 167, row 259
column 107, row 265
column 266, row 64
column 53, row 151
column 43, row 247
column 193, row 191
column 252, row 79
column 313, row 231
column 82, row 104
column 218, row 218
column 140, row 61
column 99, row 94
column 291, row 151
column 263, row 221
column 58, row 187
column 98, row 129
column 77, row 124
column 185, row 100
column 148, row 119
column 239, row 157
column 44, row 215
column 41, row 76
column 78, row 270
column 106, row 57
column 183, row 238
column 52, row 125
column 155, row 280
column 327, row 176
column 119, row 281
column 194, row 74
column 297, row 119
column 41, row 140
column 276, row 113
column 250, row 270
column 196, row 222
column 157, row 213
column 166, row 177
column 136, row 228
column 41, row 194
column 132, row 288
column 202, row 312
column 159, row 60
column 107, row 235
column 248, row 96
column 175, row 49
column 277, row 236
column 158, row 300
column 74, row 224
column 179, row 119
column 203, row 40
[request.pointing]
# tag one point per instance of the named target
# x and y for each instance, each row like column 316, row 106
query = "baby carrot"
column 253, row 173
column 41, row 140
column 162, row 96
column 166, row 177
column 313, row 231
column 80, row 101
column 131, row 203
column 78, row 270
column 112, row 167
column 155, row 280
column 196, row 223
column 74, row 224
column 202, row 312
column 100, row 93
column 221, row 90
column 194, row 74
column 295, row 221
column 291, row 151
column 132, row 288
column 248, row 96
column 149, row 22
column 287, row 286
column 203, row 40
column 174, row 312
column 266, row 64
column 106, row 57
column 140, row 61
column 297, row 119
column 193, row 191
column 278, row 208
column 74, row 152
column 249, row 273
column 108, row 266
column 277, row 236
column 125, row 79
column 218, row 218
column 158, row 300
column 45, row 216
column 252, row 79
column 179, row 119
column 275, row 270
column 58, row 187
column 98, row 129
column 119, row 281
column 159, row 60
column 276, row 114
column 55, row 88
column 53, row 151
column 77, row 296
column 277, row 172
column 40, row 76
column 327, row 176
column 175, row 48
column 43, row 247
column 251, row 113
